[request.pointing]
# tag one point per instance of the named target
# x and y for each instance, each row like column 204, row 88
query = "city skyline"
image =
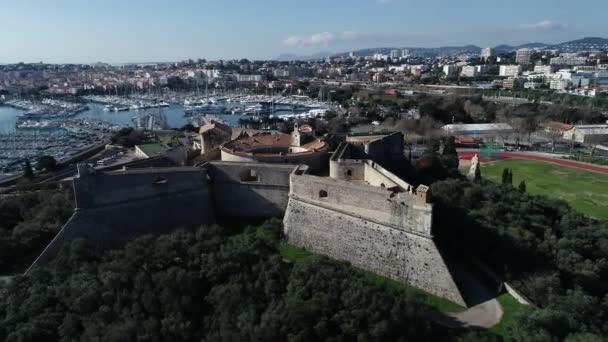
column 70, row 31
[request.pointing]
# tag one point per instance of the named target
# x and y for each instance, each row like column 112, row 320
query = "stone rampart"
column 112, row 207
column 378, row 248
column 249, row 189
column 375, row 228
column 377, row 204
column 117, row 206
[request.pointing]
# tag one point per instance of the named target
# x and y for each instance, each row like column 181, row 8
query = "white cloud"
column 544, row 25
column 323, row 39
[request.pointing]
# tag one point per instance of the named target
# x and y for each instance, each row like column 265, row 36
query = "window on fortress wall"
column 250, row 176
column 323, row 194
column 349, row 173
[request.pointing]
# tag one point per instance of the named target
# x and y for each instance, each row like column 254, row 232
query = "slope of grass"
column 295, row 254
column 510, row 306
column 585, row 191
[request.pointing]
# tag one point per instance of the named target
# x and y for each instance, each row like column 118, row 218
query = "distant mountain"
column 532, row 46
column 585, row 44
column 423, row 52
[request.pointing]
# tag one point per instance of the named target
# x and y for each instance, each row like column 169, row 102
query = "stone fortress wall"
column 361, row 213
column 365, row 215
column 249, row 190
column 119, row 205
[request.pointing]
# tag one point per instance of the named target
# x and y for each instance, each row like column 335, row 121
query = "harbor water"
column 174, row 114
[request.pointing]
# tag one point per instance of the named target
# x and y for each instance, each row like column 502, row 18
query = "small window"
column 250, row 176
column 323, row 194
column 349, row 173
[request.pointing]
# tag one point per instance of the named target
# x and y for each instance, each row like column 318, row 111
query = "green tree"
column 505, row 176
column 46, row 163
column 27, row 170
column 477, row 178
column 522, row 186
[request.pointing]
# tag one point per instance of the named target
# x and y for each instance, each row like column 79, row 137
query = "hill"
column 584, row 44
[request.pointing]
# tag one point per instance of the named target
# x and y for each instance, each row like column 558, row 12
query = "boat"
column 205, row 109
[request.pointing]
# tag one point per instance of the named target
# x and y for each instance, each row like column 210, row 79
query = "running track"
column 468, row 155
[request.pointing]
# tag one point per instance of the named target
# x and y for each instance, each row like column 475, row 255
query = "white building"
column 212, row 73
column 280, row 73
column 487, row 53
column 478, row 130
column 405, row 53
column 510, row 70
column 558, row 83
column 379, row 57
column 450, row 70
column 468, row 71
column 394, row 54
column 522, row 56
column 543, row 69
column 588, row 134
column 568, row 61
column 248, row 78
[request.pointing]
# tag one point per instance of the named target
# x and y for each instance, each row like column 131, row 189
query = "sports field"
column 585, row 191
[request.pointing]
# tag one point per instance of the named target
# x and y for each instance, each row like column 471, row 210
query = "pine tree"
column 510, row 177
column 27, row 170
column 505, row 176
column 477, row 178
column 522, row 186
column 450, row 147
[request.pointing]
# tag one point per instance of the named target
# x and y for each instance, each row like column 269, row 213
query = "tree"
column 27, row 170
column 522, row 186
column 450, row 147
column 510, row 177
column 46, row 163
column 477, row 178
column 505, row 176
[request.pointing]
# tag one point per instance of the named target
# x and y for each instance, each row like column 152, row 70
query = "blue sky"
column 153, row 30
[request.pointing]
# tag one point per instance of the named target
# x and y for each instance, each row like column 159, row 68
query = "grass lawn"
column 510, row 306
column 296, row 254
column 585, row 191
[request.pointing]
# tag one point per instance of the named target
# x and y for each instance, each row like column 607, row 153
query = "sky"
column 128, row 31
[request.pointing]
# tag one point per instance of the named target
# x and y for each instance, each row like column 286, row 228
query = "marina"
column 177, row 111
column 63, row 142
column 29, row 129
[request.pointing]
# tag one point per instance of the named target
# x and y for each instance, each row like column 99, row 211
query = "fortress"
column 360, row 212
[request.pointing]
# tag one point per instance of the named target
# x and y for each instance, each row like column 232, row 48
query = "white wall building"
column 510, row 70
column 450, row 70
column 522, row 56
column 487, row 53
column 468, row 71
column 543, row 69
column 568, row 61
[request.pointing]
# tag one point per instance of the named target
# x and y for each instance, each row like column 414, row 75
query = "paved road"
column 484, row 310
column 484, row 315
